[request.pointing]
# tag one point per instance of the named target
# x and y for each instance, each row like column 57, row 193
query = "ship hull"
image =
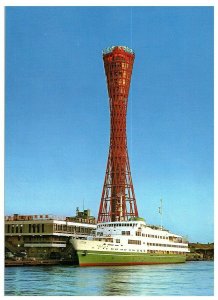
column 104, row 258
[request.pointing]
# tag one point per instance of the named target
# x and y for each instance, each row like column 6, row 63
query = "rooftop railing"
column 110, row 49
column 34, row 217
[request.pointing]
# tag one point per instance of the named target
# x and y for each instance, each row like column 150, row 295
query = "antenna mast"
column 161, row 213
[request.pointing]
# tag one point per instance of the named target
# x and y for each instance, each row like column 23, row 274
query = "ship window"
column 138, row 233
column 125, row 232
column 135, row 242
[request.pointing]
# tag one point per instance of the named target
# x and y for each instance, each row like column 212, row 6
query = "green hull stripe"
column 100, row 258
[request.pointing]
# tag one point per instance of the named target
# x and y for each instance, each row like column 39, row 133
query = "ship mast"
column 161, row 213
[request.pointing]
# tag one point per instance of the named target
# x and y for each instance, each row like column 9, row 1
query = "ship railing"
column 80, row 234
column 184, row 240
column 157, row 227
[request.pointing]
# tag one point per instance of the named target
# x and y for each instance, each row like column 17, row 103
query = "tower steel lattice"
column 118, row 201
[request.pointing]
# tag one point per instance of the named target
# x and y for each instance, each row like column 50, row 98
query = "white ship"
column 130, row 243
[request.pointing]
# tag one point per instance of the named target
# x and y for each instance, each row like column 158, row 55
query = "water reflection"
column 190, row 279
column 118, row 281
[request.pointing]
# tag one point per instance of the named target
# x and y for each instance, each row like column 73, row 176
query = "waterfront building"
column 44, row 236
column 82, row 217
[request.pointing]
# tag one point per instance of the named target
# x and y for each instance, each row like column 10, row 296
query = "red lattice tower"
column 118, row 201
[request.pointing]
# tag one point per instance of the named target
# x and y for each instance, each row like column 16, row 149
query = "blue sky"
column 57, row 113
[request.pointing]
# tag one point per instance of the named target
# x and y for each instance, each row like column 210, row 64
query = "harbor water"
column 188, row 279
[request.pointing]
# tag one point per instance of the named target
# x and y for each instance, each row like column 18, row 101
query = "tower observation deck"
column 118, row 201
